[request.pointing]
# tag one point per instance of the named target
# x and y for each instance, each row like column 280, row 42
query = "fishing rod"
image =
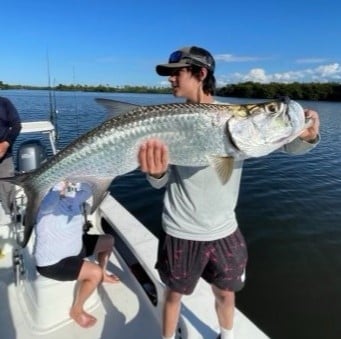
column 75, row 99
column 52, row 101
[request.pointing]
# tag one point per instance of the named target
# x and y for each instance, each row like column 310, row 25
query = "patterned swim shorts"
column 220, row 262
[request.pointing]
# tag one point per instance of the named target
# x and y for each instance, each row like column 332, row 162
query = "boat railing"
column 136, row 244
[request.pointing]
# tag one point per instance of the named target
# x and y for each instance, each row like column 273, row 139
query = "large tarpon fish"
column 196, row 135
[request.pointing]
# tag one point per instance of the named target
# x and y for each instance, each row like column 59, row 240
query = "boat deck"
column 123, row 310
column 119, row 310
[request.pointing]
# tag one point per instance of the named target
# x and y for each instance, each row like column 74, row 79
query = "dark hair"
column 209, row 83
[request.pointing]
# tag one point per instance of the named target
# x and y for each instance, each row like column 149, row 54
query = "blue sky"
column 114, row 42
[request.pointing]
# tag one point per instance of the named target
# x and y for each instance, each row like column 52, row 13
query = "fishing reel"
column 87, row 225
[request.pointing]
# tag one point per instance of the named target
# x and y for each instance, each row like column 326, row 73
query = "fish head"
column 260, row 129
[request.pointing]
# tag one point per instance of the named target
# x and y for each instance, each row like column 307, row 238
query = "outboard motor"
column 31, row 154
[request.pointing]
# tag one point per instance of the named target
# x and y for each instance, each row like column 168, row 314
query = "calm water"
column 289, row 211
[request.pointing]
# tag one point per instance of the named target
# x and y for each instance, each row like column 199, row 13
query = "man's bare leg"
column 225, row 305
column 89, row 278
column 171, row 312
column 103, row 249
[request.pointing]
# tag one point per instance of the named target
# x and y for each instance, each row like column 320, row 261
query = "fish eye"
column 272, row 107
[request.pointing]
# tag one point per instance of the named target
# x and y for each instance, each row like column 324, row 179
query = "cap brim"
column 166, row 69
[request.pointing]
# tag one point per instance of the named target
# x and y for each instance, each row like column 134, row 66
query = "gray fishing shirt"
column 197, row 206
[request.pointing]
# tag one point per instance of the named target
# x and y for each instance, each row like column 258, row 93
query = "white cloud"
column 234, row 58
column 325, row 73
column 311, row 60
column 164, row 83
column 329, row 70
column 257, row 75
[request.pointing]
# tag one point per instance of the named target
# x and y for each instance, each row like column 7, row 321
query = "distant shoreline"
column 297, row 91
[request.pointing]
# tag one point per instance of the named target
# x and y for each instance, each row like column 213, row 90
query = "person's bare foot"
column 111, row 278
column 83, row 319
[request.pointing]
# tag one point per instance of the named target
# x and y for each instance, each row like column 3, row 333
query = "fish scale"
column 195, row 134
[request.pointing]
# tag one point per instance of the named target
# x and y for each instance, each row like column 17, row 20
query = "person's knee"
column 223, row 296
column 92, row 272
column 97, row 274
column 172, row 296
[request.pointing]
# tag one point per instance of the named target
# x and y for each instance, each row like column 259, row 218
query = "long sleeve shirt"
column 10, row 124
column 197, row 206
column 59, row 226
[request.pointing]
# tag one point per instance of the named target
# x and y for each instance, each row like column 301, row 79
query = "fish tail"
column 33, row 200
column 18, row 179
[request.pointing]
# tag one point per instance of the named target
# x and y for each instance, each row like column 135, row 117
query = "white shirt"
column 59, row 226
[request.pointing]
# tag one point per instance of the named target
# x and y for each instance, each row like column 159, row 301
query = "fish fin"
column 99, row 193
column 99, row 187
column 115, row 107
column 33, row 202
column 223, row 166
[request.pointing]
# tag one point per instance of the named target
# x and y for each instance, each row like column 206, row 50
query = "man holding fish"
column 200, row 236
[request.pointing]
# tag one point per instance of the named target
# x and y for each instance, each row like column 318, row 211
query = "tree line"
column 97, row 88
column 296, row 90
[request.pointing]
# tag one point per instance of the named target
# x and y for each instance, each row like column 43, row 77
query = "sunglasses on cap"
column 179, row 56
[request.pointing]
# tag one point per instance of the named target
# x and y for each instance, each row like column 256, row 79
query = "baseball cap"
column 186, row 57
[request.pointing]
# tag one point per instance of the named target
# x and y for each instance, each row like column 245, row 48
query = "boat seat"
column 48, row 301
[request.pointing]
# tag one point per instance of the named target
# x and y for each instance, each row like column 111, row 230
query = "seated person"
column 61, row 245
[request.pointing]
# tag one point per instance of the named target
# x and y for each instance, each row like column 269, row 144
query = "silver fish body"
column 194, row 134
